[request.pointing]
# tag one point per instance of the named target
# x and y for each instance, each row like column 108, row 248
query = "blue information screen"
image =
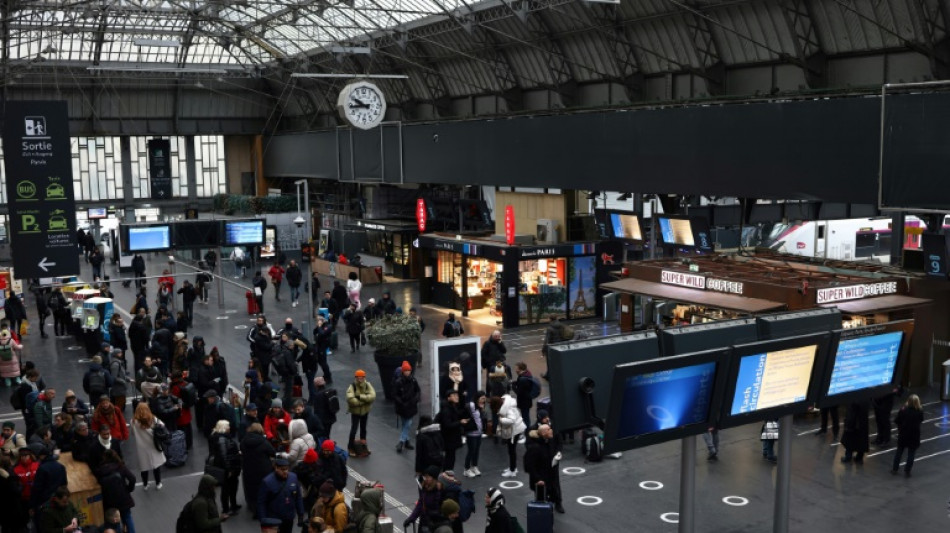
column 667, row 399
column 865, row 362
column 771, row 379
column 666, row 231
column 250, row 232
column 149, row 238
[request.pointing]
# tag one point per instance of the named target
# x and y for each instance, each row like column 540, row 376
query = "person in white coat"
column 301, row 441
column 353, row 288
column 510, row 428
column 150, row 458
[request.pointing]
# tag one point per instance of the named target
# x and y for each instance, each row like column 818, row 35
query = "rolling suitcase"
column 540, row 513
column 176, row 453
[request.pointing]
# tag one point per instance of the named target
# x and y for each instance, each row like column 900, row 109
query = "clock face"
column 362, row 104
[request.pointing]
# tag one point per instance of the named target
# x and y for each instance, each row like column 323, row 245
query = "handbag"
column 160, row 436
column 218, row 473
column 770, row 430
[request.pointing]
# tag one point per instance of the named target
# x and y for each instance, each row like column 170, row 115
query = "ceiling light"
column 156, row 42
column 365, row 76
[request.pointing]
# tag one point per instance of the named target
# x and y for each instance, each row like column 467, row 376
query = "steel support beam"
column 563, row 81
column 711, row 66
column 626, row 60
column 932, row 15
column 809, row 54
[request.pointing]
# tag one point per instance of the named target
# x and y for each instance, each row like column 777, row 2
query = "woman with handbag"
column 148, row 432
column 224, row 463
column 510, row 428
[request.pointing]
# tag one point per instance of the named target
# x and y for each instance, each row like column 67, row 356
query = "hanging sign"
column 40, row 199
column 160, row 168
column 421, row 214
column 509, row 225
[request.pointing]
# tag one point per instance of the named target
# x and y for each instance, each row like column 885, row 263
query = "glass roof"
column 200, row 32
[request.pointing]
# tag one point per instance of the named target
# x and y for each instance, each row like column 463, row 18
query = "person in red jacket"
column 276, row 274
column 275, row 416
column 184, row 417
column 107, row 415
column 25, row 469
column 166, row 289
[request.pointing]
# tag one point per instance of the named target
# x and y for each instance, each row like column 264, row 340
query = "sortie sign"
column 40, row 197
column 160, row 168
column 509, row 225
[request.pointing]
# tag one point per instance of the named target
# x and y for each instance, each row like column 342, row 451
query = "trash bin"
column 945, row 382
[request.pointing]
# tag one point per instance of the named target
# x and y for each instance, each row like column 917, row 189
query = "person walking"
column 882, row 416
column 188, row 296
column 294, row 277
column 908, row 422
column 855, row 436
column 769, row 435
column 223, row 453
column 276, row 273
column 524, row 388
column 59, row 308
column 10, row 351
column 353, row 288
column 493, row 350
column 473, row 433
column 42, row 309
column 427, row 510
column 150, row 458
column 498, row 519
column 355, row 323
column 138, row 270
column 406, row 396
column 117, row 483
column 280, row 498
column 256, row 454
column 15, row 311
column 204, row 509
column 511, row 428
column 259, row 285
column 360, row 396
column 119, row 371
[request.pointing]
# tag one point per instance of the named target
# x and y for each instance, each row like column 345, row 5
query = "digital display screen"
column 774, row 378
column 702, row 236
column 244, row 232
column 666, row 399
column 149, row 238
column 676, row 231
column 935, row 254
column 865, row 362
column 96, row 212
column 626, row 226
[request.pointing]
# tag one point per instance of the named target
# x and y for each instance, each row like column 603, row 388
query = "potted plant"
column 395, row 338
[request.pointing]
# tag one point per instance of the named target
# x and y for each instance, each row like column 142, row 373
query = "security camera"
column 299, row 221
column 586, row 385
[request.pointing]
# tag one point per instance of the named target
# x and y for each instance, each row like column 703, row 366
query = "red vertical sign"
column 421, row 214
column 509, row 225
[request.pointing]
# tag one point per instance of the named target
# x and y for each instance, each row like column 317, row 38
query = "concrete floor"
column 826, row 495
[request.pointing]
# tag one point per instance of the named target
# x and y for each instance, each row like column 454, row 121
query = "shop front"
column 391, row 242
column 511, row 285
column 667, row 293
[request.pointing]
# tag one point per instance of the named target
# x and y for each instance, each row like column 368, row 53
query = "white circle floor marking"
column 241, row 326
column 590, row 501
column 670, row 518
column 74, row 347
column 573, row 470
column 735, row 501
column 511, row 485
column 651, row 485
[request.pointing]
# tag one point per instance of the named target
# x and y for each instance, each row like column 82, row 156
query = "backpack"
column 6, row 351
column 53, row 303
column 466, row 504
column 592, row 446
column 456, row 328
column 535, row 387
column 189, row 395
column 333, row 400
column 97, row 382
column 515, row 525
column 186, row 519
column 31, row 400
column 334, row 341
column 567, row 333
column 16, row 400
column 351, row 526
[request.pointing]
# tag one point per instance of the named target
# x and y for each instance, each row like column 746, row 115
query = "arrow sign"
column 43, row 264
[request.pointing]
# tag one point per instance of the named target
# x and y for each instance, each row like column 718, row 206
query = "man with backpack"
column 326, row 404
column 360, row 396
column 526, row 388
column 11, row 441
column 428, row 506
column 97, row 381
column 332, row 465
column 332, row 508
column 452, row 327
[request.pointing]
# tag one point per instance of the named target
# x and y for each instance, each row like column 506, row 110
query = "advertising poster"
column 446, row 353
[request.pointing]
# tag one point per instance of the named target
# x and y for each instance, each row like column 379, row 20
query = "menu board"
column 666, row 399
column 865, row 362
column 774, row 378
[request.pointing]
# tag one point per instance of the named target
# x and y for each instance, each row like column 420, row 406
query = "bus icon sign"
column 35, row 126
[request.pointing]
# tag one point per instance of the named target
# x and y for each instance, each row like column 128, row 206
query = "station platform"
column 638, row 492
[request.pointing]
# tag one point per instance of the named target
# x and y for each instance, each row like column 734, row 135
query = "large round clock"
column 362, row 104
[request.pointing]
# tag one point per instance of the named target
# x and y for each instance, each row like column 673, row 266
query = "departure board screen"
column 773, row 378
column 865, row 362
column 244, row 232
column 666, row 399
column 149, row 238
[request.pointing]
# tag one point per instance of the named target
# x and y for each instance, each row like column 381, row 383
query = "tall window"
column 97, row 168
column 209, row 165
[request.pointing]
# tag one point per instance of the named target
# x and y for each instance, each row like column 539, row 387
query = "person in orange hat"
column 406, row 396
column 360, row 396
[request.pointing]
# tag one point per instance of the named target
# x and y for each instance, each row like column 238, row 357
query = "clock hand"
column 358, row 103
